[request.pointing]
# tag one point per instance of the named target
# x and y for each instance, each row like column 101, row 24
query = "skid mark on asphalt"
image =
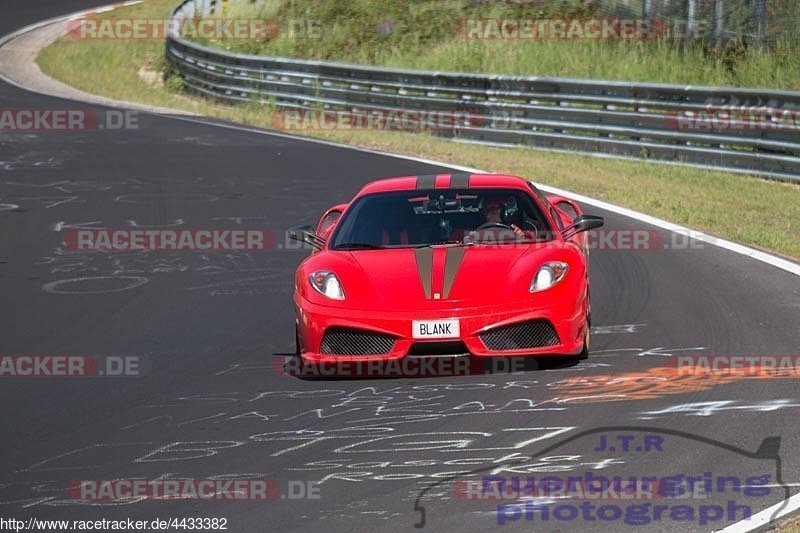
column 647, row 385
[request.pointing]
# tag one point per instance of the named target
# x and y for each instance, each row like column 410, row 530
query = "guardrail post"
column 719, row 23
column 691, row 6
column 760, row 17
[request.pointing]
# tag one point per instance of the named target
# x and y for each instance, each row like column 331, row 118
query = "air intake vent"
column 521, row 336
column 351, row 341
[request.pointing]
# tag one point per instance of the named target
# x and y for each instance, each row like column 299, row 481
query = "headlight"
column 549, row 274
column 327, row 284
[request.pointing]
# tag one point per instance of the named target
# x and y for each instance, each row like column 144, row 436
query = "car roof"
column 444, row 181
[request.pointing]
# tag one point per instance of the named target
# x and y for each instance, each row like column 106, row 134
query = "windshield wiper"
column 358, row 246
column 450, row 244
column 518, row 240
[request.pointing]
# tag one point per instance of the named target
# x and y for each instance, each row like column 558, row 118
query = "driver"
column 493, row 213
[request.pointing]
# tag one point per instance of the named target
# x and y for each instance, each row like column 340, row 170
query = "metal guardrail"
column 621, row 119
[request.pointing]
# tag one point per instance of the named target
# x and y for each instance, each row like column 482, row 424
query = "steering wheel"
column 487, row 225
column 530, row 225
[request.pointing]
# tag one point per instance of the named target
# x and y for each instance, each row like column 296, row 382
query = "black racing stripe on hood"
column 426, row 182
column 452, row 261
column 424, row 258
column 459, row 181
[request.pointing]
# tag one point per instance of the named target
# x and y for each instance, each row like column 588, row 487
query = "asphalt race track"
column 214, row 328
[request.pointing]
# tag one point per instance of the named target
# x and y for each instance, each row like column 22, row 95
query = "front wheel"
column 587, row 336
column 586, row 341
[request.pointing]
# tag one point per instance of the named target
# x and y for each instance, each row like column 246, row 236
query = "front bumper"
column 568, row 318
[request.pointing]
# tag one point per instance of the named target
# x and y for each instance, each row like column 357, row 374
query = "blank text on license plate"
column 435, row 329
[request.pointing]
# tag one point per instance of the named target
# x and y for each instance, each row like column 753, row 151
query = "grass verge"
column 430, row 35
column 788, row 526
column 760, row 213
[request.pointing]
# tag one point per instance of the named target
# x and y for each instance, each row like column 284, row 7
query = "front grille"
column 430, row 348
column 521, row 336
column 351, row 341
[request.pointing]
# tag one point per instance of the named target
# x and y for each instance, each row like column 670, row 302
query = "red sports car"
column 451, row 264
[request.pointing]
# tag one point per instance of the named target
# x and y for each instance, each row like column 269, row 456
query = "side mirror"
column 565, row 205
column 328, row 220
column 582, row 223
column 306, row 234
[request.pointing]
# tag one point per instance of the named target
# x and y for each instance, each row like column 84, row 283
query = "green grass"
column 423, row 35
column 760, row 213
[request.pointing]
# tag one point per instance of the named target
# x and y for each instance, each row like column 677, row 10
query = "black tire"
column 587, row 337
column 586, row 341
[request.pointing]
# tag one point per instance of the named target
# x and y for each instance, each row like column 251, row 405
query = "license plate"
column 435, row 329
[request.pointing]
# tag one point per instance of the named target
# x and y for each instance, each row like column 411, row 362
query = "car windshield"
column 416, row 218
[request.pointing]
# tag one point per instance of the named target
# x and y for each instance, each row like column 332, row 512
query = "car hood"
column 440, row 277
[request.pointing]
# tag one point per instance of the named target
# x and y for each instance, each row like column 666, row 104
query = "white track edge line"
column 764, row 517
